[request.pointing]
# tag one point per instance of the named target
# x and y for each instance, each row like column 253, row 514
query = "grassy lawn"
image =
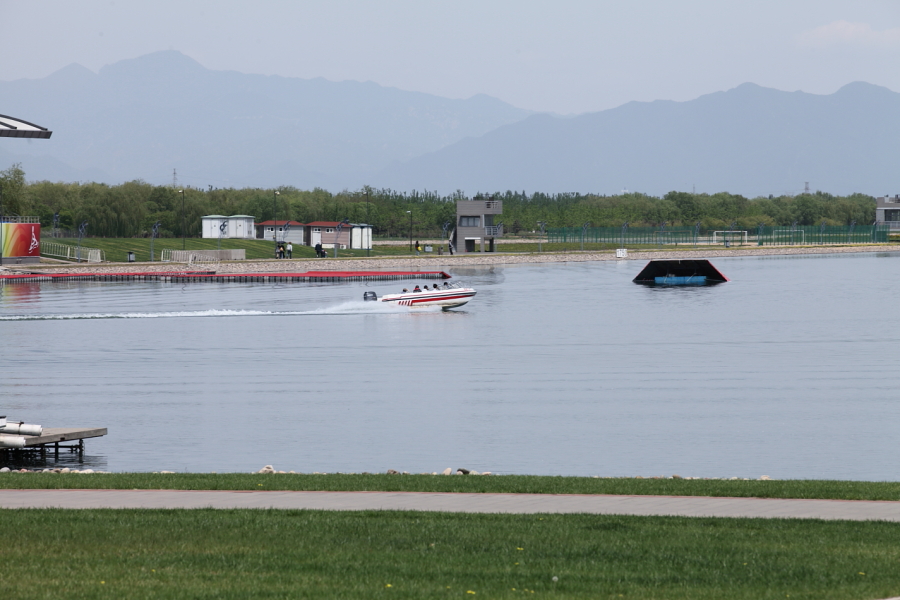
column 117, row 249
column 51, row 553
column 522, row 484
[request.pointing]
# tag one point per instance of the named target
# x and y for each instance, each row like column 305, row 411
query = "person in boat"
column 417, row 289
column 446, row 285
column 434, row 287
column 405, row 291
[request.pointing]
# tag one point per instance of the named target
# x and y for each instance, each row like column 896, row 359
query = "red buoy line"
column 212, row 276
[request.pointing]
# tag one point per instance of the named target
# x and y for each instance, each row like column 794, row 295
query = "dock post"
column 56, row 450
column 81, row 451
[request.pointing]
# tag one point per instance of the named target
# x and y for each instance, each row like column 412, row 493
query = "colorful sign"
column 20, row 239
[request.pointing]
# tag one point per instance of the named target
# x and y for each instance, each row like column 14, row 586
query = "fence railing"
column 185, row 256
column 819, row 235
column 777, row 235
column 69, row 252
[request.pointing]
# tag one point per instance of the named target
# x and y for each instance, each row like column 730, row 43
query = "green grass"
column 116, row 249
column 51, row 553
column 520, row 484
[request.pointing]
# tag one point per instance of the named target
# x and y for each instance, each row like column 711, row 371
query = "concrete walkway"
column 686, row 506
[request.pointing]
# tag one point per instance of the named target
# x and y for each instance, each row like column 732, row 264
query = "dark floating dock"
column 212, row 276
column 680, row 272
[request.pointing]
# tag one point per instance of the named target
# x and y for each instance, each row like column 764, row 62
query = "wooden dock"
column 70, row 438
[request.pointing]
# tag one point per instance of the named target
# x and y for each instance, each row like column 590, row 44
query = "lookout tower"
column 475, row 224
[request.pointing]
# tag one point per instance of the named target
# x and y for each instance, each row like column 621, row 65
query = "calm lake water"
column 789, row 370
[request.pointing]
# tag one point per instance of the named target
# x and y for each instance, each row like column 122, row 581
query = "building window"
column 329, row 230
column 470, row 221
column 892, row 215
column 317, row 230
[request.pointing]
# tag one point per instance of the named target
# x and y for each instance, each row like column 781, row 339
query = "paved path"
column 687, row 506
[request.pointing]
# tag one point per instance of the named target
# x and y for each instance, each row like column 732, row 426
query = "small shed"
column 296, row 231
column 235, row 226
column 680, row 272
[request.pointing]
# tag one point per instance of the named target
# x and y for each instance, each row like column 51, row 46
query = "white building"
column 235, row 226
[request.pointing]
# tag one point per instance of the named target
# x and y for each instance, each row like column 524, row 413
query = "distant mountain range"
column 749, row 140
column 140, row 118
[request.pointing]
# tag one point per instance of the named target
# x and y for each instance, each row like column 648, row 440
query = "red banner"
column 20, row 239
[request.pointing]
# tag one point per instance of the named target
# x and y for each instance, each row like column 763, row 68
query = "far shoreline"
column 442, row 262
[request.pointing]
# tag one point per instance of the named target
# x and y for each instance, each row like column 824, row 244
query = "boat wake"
column 346, row 308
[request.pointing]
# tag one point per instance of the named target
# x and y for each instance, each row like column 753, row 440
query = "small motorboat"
column 446, row 297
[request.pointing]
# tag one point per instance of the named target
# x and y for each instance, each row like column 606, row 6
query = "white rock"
column 282, row 472
column 474, row 473
column 734, row 479
column 486, row 473
column 4, row 470
column 168, row 472
column 447, row 471
column 65, row 470
column 87, row 471
column 267, row 469
column 765, row 478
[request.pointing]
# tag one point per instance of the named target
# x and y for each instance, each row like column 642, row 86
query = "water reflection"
column 787, row 370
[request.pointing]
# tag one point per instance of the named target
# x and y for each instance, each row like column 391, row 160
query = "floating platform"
column 212, row 276
column 71, row 438
column 680, row 272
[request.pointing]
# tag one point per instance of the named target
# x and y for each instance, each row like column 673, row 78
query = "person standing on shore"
column 290, row 250
column 418, row 248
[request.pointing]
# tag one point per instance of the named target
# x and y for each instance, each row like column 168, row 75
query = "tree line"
column 131, row 209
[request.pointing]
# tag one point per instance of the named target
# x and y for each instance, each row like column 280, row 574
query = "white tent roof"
column 12, row 127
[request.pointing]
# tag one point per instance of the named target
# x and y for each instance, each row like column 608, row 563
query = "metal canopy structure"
column 12, row 127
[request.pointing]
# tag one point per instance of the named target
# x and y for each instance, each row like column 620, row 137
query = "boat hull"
column 445, row 299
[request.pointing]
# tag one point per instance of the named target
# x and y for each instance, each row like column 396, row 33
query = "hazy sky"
column 565, row 57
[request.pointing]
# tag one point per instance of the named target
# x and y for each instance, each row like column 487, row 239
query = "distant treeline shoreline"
column 131, row 209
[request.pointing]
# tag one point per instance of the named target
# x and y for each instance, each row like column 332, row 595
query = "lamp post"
column 369, row 244
column 153, row 235
column 182, row 218
column 624, row 229
column 584, row 229
column 542, row 224
column 275, row 220
column 337, row 234
column 410, row 230
column 81, row 231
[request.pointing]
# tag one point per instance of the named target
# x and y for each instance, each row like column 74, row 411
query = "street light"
column 542, row 224
column 410, row 231
column 182, row 218
column 153, row 235
column 275, row 220
column 369, row 244
column 584, row 229
column 337, row 234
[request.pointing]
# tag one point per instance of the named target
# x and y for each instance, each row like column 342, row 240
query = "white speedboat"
column 446, row 297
